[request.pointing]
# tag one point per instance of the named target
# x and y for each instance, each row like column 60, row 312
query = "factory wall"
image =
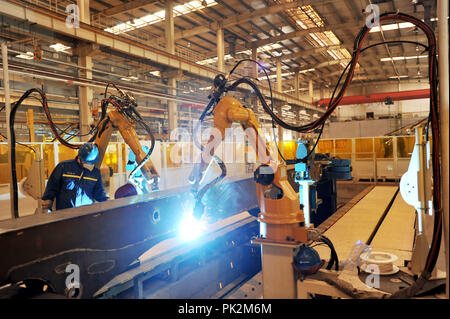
column 356, row 120
column 364, row 128
column 408, row 109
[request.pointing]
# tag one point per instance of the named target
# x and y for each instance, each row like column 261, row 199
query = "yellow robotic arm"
column 116, row 119
column 281, row 218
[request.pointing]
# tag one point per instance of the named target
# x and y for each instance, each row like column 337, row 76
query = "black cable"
column 334, row 257
column 383, row 216
column 334, row 260
column 12, row 116
column 271, row 98
column 391, row 42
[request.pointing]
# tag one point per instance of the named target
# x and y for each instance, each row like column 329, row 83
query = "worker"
column 75, row 182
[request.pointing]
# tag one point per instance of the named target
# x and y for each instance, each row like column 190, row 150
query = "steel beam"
column 125, row 7
column 237, row 19
column 103, row 239
column 87, row 33
column 300, row 33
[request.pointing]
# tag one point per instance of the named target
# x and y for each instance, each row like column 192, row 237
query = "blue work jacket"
column 73, row 185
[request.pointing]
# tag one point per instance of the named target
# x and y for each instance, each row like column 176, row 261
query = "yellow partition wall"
column 24, row 157
column 111, row 157
column 343, row 148
column 124, row 156
column 384, row 147
column 66, row 153
column 325, row 146
column 176, row 151
column 363, row 148
column 48, row 155
column 289, row 149
column 405, row 146
column 4, row 174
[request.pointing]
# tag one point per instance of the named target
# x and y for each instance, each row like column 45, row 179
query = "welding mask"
column 88, row 153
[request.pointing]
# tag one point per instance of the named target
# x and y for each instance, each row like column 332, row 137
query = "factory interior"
column 224, row 150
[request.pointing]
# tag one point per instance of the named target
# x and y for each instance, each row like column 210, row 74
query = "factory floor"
column 395, row 235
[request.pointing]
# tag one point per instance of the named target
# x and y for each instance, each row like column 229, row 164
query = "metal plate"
column 103, row 239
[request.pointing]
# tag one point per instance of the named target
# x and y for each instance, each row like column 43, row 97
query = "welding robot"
column 123, row 117
column 284, row 215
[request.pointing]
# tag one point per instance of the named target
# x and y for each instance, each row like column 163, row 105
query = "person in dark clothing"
column 75, row 182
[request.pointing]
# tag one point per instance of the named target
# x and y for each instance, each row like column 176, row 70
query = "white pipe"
column 443, row 12
column 75, row 82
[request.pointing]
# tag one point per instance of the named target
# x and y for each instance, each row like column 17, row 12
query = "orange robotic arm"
column 281, row 217
column 116, row 120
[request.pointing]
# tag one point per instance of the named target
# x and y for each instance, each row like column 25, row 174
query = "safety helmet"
column 88, row 153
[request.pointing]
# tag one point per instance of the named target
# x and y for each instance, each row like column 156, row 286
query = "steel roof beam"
column 240, row 18
column 125, row 7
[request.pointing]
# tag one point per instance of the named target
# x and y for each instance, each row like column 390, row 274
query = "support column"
column 86, row 97
column 280, row 129
column 298, row 122
column 30, row 123
column 254, row 66
column 83, row 6
column 220, row 50
column 13, row 194
column 279, row 78
column 85, row 93
column 311, row 90
column 172, row 81
column 443, row 12
column 254, row 74
column 170, row 28
column 296, row 84
column 322, row 92
column 173, row 108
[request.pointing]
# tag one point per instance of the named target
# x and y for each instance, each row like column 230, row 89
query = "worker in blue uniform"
column 75, row 182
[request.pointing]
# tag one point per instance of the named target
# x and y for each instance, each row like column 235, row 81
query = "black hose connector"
column 264, row 175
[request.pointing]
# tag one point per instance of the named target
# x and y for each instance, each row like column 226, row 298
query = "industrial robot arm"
column 281, row 217
column 124, row 117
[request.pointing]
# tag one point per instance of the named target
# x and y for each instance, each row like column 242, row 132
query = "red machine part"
column 379, row 97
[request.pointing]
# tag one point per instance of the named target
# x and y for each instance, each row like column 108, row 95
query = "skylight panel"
column 159, row 16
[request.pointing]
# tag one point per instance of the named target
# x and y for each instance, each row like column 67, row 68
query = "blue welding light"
column 190, row 228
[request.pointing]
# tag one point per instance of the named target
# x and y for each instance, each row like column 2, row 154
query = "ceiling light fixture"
column 26, row 56
column 59, row 47
column 401, row 58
